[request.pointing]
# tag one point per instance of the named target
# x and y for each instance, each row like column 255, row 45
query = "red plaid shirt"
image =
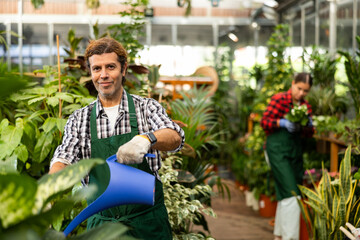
column 280, row 104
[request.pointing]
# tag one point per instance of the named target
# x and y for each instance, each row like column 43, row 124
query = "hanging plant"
column 187, row 4
column 93, row 4
column 37, row 3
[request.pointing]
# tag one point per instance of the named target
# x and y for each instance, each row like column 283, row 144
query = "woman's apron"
column 144, row 221
column 285, row 155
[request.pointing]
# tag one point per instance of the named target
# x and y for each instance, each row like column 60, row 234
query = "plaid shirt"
column 278, row 107
column 76, row 143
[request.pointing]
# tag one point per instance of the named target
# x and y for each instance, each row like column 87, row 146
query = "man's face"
column 299, row 90
column 107, row 76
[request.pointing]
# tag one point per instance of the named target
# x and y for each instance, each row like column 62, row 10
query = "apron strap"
column 93, row 130
column 132, row 114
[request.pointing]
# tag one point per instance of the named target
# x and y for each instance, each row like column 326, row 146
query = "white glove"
column 133, row 151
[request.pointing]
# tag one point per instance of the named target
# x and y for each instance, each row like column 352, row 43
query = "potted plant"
column 330, row 204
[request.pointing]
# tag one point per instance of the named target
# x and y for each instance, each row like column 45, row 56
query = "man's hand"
column 133, row 151
column 290, row 126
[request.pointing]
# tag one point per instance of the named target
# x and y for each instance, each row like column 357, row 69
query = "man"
column 126, row 125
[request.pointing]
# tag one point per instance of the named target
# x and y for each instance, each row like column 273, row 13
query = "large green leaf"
column 60, row 123
column 3, row 124
column 29, row 135
column 107, row 231
column 21, row 152
column 41, row 221
column 9, row 165
column 26, row 234
column 49, row 124
column 36, row 99
column 51, row 184
column 17, row 198
column 313, row 196
column 67, row 97
column 345, row 175
column 53, row 101
column 43, row 147
column 11, row 138
column 11, row 83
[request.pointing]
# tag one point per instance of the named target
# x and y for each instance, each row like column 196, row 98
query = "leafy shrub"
column 181, row 202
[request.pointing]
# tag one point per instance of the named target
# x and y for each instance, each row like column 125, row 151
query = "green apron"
column 145, row 221
column 284, row 150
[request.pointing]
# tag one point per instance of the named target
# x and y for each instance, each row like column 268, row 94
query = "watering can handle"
column 113, row 157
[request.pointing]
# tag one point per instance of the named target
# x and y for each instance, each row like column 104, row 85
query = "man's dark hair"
column 106, row 45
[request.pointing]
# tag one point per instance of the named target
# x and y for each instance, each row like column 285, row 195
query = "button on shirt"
column 76, row 144
column 279, row 106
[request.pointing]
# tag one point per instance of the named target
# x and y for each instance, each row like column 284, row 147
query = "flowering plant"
column 298, row 114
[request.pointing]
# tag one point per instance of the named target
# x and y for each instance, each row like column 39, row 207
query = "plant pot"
column 267, row 208
column 304, row 235
column 241, row 186
column 251, row 201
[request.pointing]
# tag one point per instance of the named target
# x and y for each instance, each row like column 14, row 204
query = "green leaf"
column 41, row 221
column 60, row 123
column 52, row 101
column 357, row 175
column 9, row 165
column 65, row 96
column 49, row 124
column 4, row 123
column 38, row 114
column 11, row 137
column 109, row 230
column 51, row 234
column 43, row 147
column 35, row 100
column 29, row 136
column 51, row 184
column 21, row 152
column 16, row 197
column 345, row 175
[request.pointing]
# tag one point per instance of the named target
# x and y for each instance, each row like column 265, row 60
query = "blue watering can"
column 127, row 185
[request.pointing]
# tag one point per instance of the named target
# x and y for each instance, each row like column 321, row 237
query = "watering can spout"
column 127, row 185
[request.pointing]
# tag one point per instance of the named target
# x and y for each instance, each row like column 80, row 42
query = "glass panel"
column 296, row 33
column 161, row 35
column 195, row 35
column 344, row 27
column 81, row 30
column 324, row 24
column 35, row 46
column 310, row 31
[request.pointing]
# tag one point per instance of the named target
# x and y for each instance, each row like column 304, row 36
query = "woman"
column 284, row 149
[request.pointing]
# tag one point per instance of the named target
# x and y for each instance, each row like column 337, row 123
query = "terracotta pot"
column 304, row 235
column 267, row 207
column 241, row 186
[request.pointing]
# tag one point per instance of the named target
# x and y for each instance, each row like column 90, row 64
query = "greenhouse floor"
column 236, row 221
